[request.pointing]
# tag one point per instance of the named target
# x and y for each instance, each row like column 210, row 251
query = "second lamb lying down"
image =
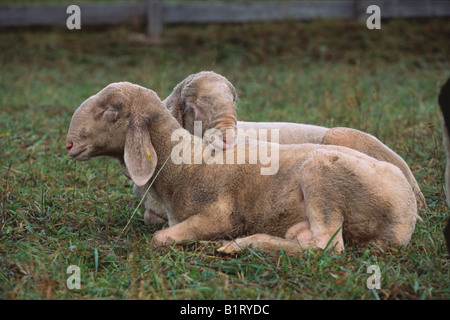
column 319, row 191
column 210, row 98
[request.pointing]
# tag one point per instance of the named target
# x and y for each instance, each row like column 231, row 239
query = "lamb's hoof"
column 231, row 248
column 163, row 238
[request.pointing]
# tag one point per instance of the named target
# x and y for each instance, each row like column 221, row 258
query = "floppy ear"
column 173, row 103
column 189, row 95
column 140, row 156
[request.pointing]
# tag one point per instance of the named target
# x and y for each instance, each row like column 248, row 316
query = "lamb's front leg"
column 151, row 218
column 154, row 213
column 208, row 226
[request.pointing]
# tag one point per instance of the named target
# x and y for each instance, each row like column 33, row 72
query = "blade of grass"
column 96, row 260
column 125, row 230
column 329, row 242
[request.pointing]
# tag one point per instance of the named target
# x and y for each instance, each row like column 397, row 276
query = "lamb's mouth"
column 76, row 154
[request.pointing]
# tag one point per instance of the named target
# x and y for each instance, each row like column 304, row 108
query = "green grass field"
column 56, row 212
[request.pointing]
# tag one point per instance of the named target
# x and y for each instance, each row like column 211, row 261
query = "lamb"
column 210, row 98
column 320, row 194
column 198, row 94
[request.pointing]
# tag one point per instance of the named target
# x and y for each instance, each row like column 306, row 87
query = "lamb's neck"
column 162, row 128
column 161, row 134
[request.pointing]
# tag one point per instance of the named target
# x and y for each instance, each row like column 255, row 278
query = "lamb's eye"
column 106, row 110
column 99, row 113
column 111, row 114
column 83, row 134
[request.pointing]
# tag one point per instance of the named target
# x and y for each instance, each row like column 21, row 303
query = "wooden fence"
column 156, row 13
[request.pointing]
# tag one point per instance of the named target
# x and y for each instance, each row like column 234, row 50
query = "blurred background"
column 314, row 62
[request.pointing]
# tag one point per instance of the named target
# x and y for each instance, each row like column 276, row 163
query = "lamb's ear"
column 174, row 101
column 140, row 156
column 189, row 96
column 233, row 91
column 177, row 112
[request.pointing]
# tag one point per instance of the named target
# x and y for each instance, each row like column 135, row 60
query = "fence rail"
column 156, row 13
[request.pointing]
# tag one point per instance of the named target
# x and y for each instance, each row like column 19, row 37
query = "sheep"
column 319, row 195
column 194, row 97
column 210, row 98
column 444, row 103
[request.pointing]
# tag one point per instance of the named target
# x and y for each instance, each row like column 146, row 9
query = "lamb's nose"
column 69, row 146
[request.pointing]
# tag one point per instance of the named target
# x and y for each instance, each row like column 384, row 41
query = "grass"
column 56, row 212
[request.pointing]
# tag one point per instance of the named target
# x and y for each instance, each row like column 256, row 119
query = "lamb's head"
column 207, row 97
column 115, row 122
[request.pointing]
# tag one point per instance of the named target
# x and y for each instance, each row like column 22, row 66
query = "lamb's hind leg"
column 326, row 227
column 298, row 238
column 324, row 189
